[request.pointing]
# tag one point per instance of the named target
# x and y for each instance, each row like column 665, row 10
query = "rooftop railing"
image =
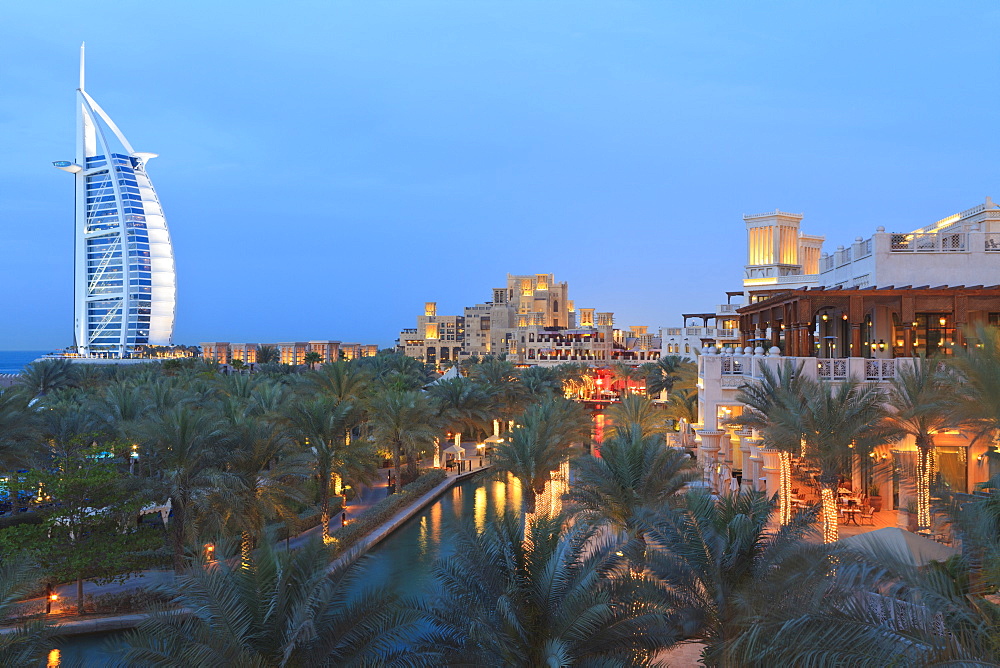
column 940, row 242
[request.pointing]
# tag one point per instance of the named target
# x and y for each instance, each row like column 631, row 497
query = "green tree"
column 720, row 567
column 776, row 399
column 268, row 355
column 542, row 381
column 322, row 425
column 978, row 387
column 539, row 596
column 88, row 529
column 637, row 410
column 635, row 473
column 286, row 609
column 18, row 429
column 922, row 404
column 500, row 379
column 405, row 422
column 664, row 373
column 345, row 381
column 683, row 405
column 312, row 358
column 46, row 376
column 185, row 448
column 27, row 643
column 270, row 477
column 540, row 443
column 462, row 405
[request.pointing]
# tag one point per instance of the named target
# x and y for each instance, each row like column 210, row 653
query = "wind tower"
column 124, row 292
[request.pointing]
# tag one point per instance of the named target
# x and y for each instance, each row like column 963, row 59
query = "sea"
column 14, row 361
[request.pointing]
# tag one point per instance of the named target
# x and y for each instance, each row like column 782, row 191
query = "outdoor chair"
column 868, row 515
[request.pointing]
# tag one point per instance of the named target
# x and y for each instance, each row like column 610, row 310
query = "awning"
column 910, row 547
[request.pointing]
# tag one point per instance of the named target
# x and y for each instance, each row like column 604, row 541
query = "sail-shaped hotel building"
column 124, row 280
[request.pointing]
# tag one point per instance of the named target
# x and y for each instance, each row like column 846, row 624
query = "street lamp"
column 343, row 515
column 133, row 458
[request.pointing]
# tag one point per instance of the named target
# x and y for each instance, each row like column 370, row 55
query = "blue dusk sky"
column 326, row 167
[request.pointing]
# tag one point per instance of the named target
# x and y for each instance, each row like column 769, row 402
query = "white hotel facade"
column 124, row 278
column 862, row 311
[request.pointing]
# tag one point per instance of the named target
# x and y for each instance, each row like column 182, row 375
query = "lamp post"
column 133, row 458
column 50, row 598
column 343, row 516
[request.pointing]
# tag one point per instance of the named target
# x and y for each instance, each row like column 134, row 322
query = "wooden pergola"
column 868, row 322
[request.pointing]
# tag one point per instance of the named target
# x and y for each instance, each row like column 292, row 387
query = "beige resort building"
column 863, row 311
column 289, row 353
column 534, row 322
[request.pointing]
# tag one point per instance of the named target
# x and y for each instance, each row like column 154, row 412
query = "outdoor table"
column 851, row 515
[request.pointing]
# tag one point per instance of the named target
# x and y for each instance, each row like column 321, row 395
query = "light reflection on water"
column 404, row 561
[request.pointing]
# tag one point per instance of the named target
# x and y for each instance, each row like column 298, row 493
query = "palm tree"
column 636, row 472
column 833, row 423
column 541, row 381
column 683, row 405
column 539, row 595
column 312, row 358
column 396, row 371
column 540, row 444
column 323, row 424
column 978, row 386
column 269, row 476
column 637, row 410
column 625, row 375
column 18, row 427
column 122, row 408
column 184, row 445
column 46, row 376
column 27, row 643
column 776, row 398
column 500, row 378
column 285, row 609
column 872, row 609
column 267, row 355
column 720, row 566
column 923, row 404
column 462, row 405
column 344, row 380
column 405, row 422
column 664, row 373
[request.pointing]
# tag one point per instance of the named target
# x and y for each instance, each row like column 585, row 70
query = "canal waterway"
column 402, row 562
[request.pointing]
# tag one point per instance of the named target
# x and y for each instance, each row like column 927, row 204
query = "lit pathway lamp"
column 133, row 458
column 343, row 515
column 50, row 597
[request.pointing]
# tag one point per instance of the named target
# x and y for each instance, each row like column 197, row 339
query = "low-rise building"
column 289, row 352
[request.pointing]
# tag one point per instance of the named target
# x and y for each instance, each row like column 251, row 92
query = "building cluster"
column 288, row 353
column 534, row 323
column 863, row 311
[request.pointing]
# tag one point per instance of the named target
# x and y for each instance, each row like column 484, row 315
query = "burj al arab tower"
column 124, row 280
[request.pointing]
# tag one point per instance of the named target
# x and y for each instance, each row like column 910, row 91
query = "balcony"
column 734, row 370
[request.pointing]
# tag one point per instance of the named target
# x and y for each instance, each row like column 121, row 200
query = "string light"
column 829, row 506
column 785, row 487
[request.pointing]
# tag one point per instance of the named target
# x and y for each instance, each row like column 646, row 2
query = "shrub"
column 307, row 519
column 383, row 511
column 139, row 599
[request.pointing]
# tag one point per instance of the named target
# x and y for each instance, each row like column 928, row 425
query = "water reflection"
column 404, row 560
column 480, row 508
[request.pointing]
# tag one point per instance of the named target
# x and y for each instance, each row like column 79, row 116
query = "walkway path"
column 366, row 498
